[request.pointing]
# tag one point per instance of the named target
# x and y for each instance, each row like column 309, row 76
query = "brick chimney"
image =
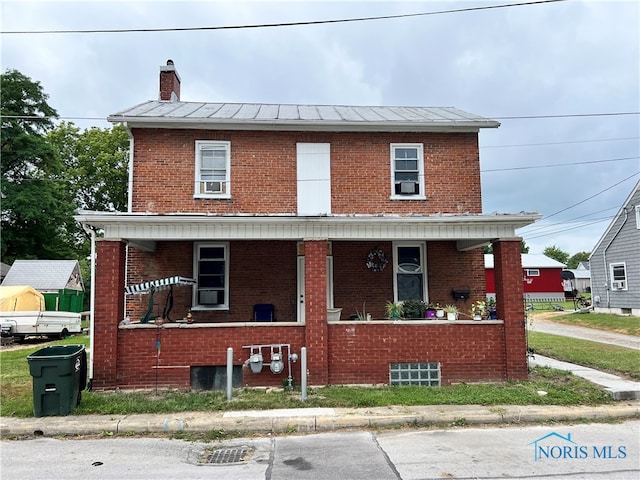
column 169, row 82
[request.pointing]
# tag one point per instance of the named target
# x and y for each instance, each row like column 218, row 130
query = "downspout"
column 604, row 257
column 129, row 203
column 130, row 179
column 92, row 299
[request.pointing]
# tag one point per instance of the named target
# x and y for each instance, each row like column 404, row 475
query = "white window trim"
column 423, row 264
column 638, row 217
column 533, row 272
column 625, row 280
column 227, row 190
column 196, row 257
column 421, row 189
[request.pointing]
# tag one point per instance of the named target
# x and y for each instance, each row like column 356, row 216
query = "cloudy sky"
column 562, row 77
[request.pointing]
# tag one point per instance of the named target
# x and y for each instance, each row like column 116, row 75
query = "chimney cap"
column 169, row 62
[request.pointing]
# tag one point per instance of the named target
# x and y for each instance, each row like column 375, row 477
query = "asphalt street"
column 583, row 451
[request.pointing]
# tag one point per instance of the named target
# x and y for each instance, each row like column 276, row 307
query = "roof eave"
column 303, row 125
column 430, row 227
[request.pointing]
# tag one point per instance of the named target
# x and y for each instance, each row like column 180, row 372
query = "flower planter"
column 333, row 314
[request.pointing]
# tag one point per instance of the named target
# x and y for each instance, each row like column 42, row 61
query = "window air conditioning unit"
column 408, row 188
column 617, row 285
column 213, row 187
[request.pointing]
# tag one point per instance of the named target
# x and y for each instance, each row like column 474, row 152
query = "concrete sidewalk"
column 310, row 420
column 618, row 388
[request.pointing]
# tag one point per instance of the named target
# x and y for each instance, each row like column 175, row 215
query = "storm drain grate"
column 226, row 455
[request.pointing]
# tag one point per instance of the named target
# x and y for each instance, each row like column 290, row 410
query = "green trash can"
column 59, row 375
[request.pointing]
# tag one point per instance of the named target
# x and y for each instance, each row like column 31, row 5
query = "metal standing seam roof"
column 286, row 115
column 41, row 274
column 529, row 260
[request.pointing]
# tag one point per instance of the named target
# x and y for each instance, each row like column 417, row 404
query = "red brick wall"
column 261, row 272
column 358, row 353
column 263, row 172
column 447, row 269
column 510, row 306
column 182, row 348
column 265, row 272
column 361, row 353
column 108, row 311
column 169, row 83
column 316, row 337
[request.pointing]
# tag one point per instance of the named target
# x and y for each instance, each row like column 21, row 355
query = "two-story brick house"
column 303, row 208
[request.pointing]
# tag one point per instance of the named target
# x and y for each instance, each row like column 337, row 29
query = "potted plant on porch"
column 452, row 312
column 478, row 310
column 414, row 309
column 394, row 310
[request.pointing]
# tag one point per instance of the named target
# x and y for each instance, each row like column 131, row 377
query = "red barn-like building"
column 541, row 278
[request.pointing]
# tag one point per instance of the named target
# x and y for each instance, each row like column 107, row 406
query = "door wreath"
column 376, row 261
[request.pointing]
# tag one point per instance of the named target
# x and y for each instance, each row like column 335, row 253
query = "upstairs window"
column 407, row 171
column 213, row 161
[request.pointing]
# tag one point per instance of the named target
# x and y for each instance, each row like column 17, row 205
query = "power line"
column 569, row 115
column 567, row 229
column 560, row 143
column 592, row 196
column 558, row 165
column 279, row 24
column 536, row 226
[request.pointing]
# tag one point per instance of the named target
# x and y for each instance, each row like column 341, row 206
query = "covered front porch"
column 303, row 267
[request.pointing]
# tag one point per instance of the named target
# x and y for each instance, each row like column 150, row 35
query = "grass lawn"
column 16, row 397
column 627, row 325
column 617, row 360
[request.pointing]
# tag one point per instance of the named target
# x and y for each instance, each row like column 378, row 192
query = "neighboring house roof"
column 529, row 260
column 4, row 269
column 45, row 274
column 581, row 273
column 615, row 219
column 253, row 116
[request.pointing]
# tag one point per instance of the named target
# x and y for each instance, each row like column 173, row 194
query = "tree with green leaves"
column 37, row 205
column 557, row 254
column 576, row 259
column 523, row 248
column 96, row 163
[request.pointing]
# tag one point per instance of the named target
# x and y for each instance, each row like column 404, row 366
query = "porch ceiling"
column 469, row 230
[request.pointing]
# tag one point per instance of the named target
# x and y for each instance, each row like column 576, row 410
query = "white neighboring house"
column 582, row 276
column 615, row 262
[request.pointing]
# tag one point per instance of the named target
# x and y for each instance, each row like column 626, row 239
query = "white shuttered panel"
column 314, row 178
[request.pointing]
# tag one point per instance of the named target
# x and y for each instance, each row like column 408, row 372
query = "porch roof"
column 144, row 229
